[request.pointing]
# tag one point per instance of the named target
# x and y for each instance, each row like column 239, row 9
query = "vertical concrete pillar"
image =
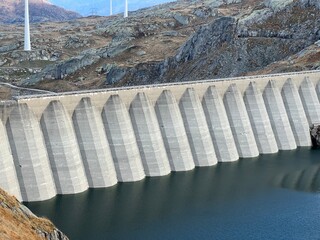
column 145, row 125
column 240, row 123
column 197, row 129
column 94, row 146
column 63, row 150
column 122, row 141
column 30, row 155
column 278, row 117
column 318, row 90
column 8, row 177
column 296, row 114
column 259, row 119
column 310, row 101
column 219, row 126
column 173, row 132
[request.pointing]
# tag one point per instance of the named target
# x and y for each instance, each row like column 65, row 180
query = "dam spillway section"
column 65, row 143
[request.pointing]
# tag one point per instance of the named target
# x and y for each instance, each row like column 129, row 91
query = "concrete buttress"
column 296, row 114
column 30, row 155
column 145, row 125
column 219, row 126
column 122, row 141
column 318, row 90
column 93, row 145
column 8, row 176
column 310, row 101
column 278, row 117
column 63, row 150
column 240, row 123
column 173, row 132
column 197, row 129
column 259, row 119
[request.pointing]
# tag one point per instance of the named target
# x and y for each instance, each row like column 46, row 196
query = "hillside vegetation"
column 18, row 222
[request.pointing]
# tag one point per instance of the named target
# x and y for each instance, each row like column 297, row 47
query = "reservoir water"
column 270, row 197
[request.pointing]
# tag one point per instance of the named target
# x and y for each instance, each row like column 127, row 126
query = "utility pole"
column 126, row 9
column 111, row 8
column 27, row 45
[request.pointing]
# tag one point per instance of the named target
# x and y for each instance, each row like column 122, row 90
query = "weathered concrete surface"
column 240, row 123
column 93, row 145
column 30, row 155
column 219, row 126
column 122, row 141
column 259, row 119
column 318, row 90
column 8, row 176
column 197, row 129
column 296, row 114
column 310, row 101
column 146, row 127
column 173, row 133
column 278, row 117
column 63, row 150
column 284, row 113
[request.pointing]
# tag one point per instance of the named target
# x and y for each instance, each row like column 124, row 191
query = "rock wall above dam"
column 65, row 143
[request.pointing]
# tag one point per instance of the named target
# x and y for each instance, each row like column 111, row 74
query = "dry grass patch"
column 17, row 224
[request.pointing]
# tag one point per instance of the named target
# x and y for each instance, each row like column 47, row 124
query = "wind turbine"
column 27, row 45
column 111, row 8
column 126, row 8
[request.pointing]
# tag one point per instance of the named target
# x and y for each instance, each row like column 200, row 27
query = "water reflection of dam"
column 307, row 180
column 63, row 144
column 199, row 193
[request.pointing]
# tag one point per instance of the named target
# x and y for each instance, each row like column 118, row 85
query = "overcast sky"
column 101, row 7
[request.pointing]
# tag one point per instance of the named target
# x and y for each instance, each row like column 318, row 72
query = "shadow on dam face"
column 205, row 190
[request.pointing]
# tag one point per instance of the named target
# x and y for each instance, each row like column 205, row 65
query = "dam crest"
column 65, row 143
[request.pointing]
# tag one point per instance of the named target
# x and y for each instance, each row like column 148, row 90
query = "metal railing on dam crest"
column 65, row 143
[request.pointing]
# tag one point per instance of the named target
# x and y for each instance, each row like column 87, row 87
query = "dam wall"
column 65, row 143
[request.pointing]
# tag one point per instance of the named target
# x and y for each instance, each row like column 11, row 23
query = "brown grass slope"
column 18, row 223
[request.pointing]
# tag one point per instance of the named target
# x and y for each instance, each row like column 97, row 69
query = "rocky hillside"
column 18, row 222
column 182, row 41
column 12, row 11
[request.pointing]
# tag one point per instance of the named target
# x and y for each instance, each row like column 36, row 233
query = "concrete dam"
column 65, row 143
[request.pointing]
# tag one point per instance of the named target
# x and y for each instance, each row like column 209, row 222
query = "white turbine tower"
column 111, row 8
column 126, row 8
column 27, row 45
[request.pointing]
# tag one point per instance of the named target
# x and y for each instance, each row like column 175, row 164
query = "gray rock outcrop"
column 231, row 46
column 315, row 135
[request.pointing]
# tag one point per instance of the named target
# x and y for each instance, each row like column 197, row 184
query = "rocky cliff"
column 12, row 11
column 180, row 41
column 18, row 222
column 237, row 45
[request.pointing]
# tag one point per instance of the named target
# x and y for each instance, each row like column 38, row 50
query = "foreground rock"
column 18, row 222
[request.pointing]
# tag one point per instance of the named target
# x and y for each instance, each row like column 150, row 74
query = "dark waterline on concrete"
column 269, row 197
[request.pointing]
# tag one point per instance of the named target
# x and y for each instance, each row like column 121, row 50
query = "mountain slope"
column 12, row 11
column 181, row 41
column 102, row 7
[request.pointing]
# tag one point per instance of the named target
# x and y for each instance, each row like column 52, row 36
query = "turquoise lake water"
column 270, row 197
